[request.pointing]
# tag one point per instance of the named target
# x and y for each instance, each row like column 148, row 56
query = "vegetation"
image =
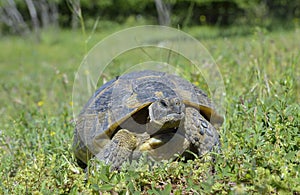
column 260, row 137
column 22, row 17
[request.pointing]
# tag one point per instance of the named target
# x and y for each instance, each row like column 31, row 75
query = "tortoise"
column 150, row 112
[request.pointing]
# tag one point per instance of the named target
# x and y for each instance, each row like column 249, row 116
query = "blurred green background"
column 23, row 16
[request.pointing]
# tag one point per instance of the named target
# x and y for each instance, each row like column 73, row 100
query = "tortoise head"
column 165, row 114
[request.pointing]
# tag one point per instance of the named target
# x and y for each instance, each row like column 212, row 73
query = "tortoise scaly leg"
column 119, row 149
column 201, row 134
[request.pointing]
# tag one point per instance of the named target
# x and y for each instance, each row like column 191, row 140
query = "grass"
column 260, row 137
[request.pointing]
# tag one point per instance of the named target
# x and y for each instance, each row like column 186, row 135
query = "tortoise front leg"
column 201, row 134
column 119, row 149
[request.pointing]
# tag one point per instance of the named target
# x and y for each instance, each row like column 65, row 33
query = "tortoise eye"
column 164, row 103
column 177, row 102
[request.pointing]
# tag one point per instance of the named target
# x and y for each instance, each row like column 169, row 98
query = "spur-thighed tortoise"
column 147, row 111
